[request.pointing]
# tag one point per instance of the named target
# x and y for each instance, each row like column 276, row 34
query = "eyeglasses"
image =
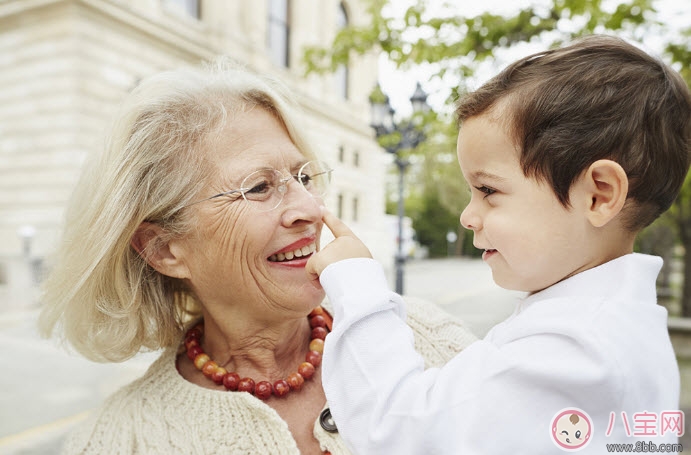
column 264, row 189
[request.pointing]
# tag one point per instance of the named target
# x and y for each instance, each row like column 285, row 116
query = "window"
column 186, row 7
column 355, row 208
column 341, row 74
column 339, row 207
column 278, row 28
column 356, row 159
column 341, row 153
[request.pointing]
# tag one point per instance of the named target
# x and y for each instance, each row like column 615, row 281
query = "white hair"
column 108, row 302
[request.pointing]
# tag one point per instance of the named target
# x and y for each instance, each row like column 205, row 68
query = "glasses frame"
column 281, row 188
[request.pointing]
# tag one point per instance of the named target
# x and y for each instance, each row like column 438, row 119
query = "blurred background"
column 376, row 81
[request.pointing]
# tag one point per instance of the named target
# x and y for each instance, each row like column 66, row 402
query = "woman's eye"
column 578, row 434
column 483, row 189
column 259, row 188
column 304, row 179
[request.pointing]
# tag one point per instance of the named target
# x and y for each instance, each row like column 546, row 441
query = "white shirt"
column 597, row 342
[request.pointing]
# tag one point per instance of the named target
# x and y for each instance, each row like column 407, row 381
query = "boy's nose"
column 470, row 219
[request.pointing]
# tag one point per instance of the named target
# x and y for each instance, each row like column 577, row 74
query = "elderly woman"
column 190, row 233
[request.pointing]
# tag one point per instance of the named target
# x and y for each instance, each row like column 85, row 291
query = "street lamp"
column 408, row 135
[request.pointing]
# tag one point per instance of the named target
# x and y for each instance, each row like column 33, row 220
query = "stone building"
column 65, row 64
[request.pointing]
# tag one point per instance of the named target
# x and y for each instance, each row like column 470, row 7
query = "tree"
column 437, row 190
column 453, row 47
column 455, row 44
column 680, row 212
column 431, row 221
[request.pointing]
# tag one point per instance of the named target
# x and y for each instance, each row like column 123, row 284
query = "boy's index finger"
column 335, row 225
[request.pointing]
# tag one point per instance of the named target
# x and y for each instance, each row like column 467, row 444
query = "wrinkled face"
column 232, row 257
column 530, row 240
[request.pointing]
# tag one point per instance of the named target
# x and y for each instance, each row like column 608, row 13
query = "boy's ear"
column 149, row 242
column 607, row 186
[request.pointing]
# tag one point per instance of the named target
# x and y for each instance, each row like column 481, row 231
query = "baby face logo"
column 571, row 429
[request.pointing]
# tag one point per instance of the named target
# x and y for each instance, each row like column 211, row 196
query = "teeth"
column 298, row 253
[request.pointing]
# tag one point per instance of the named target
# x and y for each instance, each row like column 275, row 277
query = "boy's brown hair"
column 599, row 98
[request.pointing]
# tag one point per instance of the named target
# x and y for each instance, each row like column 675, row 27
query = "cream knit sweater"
column 162, row 413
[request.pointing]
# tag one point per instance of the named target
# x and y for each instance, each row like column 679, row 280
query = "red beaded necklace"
column 320, row 322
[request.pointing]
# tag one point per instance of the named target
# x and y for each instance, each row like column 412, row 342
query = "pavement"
column 45, row 389
column 464, row 288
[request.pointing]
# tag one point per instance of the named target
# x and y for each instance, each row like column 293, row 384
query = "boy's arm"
column 355, row 296
column 363, row 305
column 359, row 376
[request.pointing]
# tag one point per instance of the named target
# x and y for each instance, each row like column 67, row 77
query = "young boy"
column 569, row 154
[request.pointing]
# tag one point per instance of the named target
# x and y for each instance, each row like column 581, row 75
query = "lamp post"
column 451, row 238
column 408, row 135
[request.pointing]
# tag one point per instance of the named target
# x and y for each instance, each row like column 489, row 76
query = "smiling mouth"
column 488, row 253
column 298, row 253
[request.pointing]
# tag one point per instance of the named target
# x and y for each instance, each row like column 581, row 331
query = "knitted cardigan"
column 162, row 413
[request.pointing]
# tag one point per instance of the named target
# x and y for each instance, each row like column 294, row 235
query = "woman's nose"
column 470, row 218
column 299, row 205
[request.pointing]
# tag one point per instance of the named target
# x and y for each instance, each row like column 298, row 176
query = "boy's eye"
column 484, row 189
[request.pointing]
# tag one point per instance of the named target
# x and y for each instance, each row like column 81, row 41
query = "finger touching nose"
column 337, row 227
column 300, row 205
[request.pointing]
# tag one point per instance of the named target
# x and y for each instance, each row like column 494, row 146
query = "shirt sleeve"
column 487, row 399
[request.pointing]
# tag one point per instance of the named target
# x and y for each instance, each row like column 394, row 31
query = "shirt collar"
column 631, row 276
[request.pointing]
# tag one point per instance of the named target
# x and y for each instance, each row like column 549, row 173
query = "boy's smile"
column 488, row 253
column 531, row 241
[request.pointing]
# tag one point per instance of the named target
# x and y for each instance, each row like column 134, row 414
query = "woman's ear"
column 149, row 241
column 607, row 186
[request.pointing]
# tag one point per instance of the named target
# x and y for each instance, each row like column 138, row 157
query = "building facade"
column 66, row 64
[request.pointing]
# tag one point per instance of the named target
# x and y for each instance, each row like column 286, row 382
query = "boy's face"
column 530, row 240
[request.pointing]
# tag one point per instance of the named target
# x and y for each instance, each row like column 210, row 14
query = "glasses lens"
column 315, row 176
column 260, row 189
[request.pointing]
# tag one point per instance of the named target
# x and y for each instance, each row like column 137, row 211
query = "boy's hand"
column 345, row 246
